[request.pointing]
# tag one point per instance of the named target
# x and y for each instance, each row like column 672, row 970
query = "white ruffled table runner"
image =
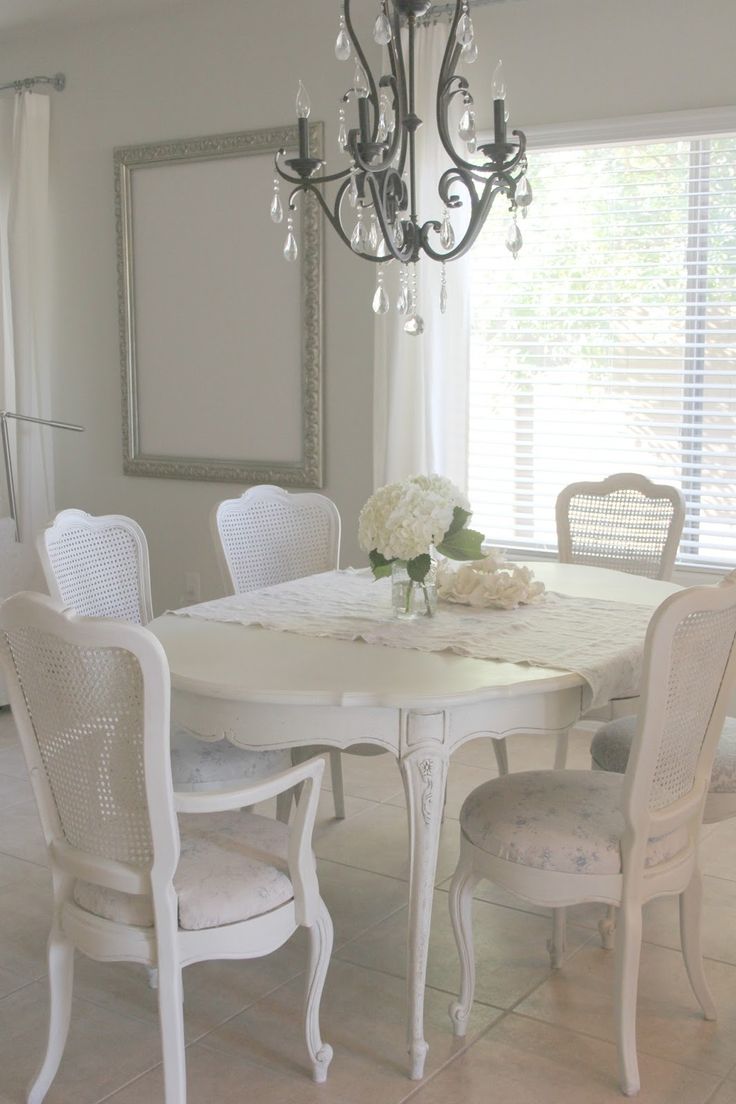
column 601, row 641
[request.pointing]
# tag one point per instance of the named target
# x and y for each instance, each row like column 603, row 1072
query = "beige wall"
column 221, row 65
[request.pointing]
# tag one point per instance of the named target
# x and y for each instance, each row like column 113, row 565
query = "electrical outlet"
column 192, row 587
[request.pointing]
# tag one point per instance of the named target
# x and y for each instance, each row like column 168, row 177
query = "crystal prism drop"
column 360, row 81
column 381, row 303
column 382, row 30
column 398, row 234
column 359, row 238
column 464, row 32
column 523, row 192
column 514, row 240
column 291, row 251
column 342, row 45
column 414, row 326
column 342, row 135
column 470, row 52
column 472, row 144
column 353, row 192
column 443, row 299
column 277, row 210
column 374, row 236
column 402, row 303
column 466, row 126
column 447, row 234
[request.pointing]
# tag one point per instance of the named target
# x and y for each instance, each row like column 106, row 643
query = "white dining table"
column 266, row 689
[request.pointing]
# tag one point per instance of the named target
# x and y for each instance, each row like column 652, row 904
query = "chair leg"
column 320, row 949
column 691, row 902
column 171, row 1019
column 501, row 750
column 628, row 951
column 607, row 928
column 561, row 743
column 557, row 945
column 461, row 915
column 338, row 791
column 283, row 806
column 60, row 953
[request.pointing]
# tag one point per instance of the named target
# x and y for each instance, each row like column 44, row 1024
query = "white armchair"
column 91, row 703
column 558, row 838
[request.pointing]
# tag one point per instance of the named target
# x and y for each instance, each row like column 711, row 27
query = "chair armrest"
column 238, row 796
column 300, row 859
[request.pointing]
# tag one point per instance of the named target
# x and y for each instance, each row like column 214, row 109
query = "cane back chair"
column 130, row 883
column 558, row 838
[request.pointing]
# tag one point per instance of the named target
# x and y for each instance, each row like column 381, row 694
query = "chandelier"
column 374, row 210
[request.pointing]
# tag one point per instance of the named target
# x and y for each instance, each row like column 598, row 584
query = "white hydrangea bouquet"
column 401, row 522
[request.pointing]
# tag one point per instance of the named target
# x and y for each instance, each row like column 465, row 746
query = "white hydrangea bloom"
column 403, row 520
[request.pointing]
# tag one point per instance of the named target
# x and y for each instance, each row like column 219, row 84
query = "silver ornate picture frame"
column 220, row 338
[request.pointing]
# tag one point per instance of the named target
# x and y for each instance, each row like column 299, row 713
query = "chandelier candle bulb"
column 303, row 109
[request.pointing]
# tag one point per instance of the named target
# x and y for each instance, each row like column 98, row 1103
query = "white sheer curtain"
column 421, row 383
column 24, row 267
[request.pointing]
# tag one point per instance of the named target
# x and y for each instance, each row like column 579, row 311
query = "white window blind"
column 609, row 345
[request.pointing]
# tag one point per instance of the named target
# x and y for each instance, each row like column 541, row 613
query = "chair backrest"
column 624, row 522
column 98, row 566
column 688, row 674
column 269, row 536
column 90, row 699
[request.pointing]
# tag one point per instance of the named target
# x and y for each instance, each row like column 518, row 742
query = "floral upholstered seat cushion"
column 612, row 743
column 567, row 821
column 231, row 868
column 210, row 764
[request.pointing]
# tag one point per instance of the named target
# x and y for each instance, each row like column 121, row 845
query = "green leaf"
column 418, row 567
column 463, row 545
column 460, row 519
column 380, row 566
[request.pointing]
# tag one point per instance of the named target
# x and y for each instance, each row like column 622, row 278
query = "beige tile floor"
column 536, row 1038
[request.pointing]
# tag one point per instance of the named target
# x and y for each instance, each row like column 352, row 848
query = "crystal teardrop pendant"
column 398, row 234
column 470, row 52
column 381, row 303
column 374, row 236
column 277, row 210
column 472, row 144
column 382, row 30
column 291, row 250
column 466, row 126
column 359, row 238
column 342, row 45
column 360, row 81
column 523, row 194
column 464, row 32
column 414, row 326
column 447, row 234
column 353, row 192
column 402, row 303
column 514, row 240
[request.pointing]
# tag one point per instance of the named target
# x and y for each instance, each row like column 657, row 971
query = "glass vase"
column 411, row 599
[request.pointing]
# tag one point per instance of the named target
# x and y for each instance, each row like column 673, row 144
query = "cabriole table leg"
column 424, row 772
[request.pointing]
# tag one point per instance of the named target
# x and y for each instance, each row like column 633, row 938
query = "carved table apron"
column 263, row 689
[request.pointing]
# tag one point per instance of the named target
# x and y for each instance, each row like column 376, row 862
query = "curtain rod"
column 58, row 81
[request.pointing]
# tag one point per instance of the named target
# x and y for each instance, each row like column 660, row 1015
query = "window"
column 610, row 343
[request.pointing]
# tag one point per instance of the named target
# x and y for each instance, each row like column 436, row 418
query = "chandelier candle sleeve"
column 380, row 182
